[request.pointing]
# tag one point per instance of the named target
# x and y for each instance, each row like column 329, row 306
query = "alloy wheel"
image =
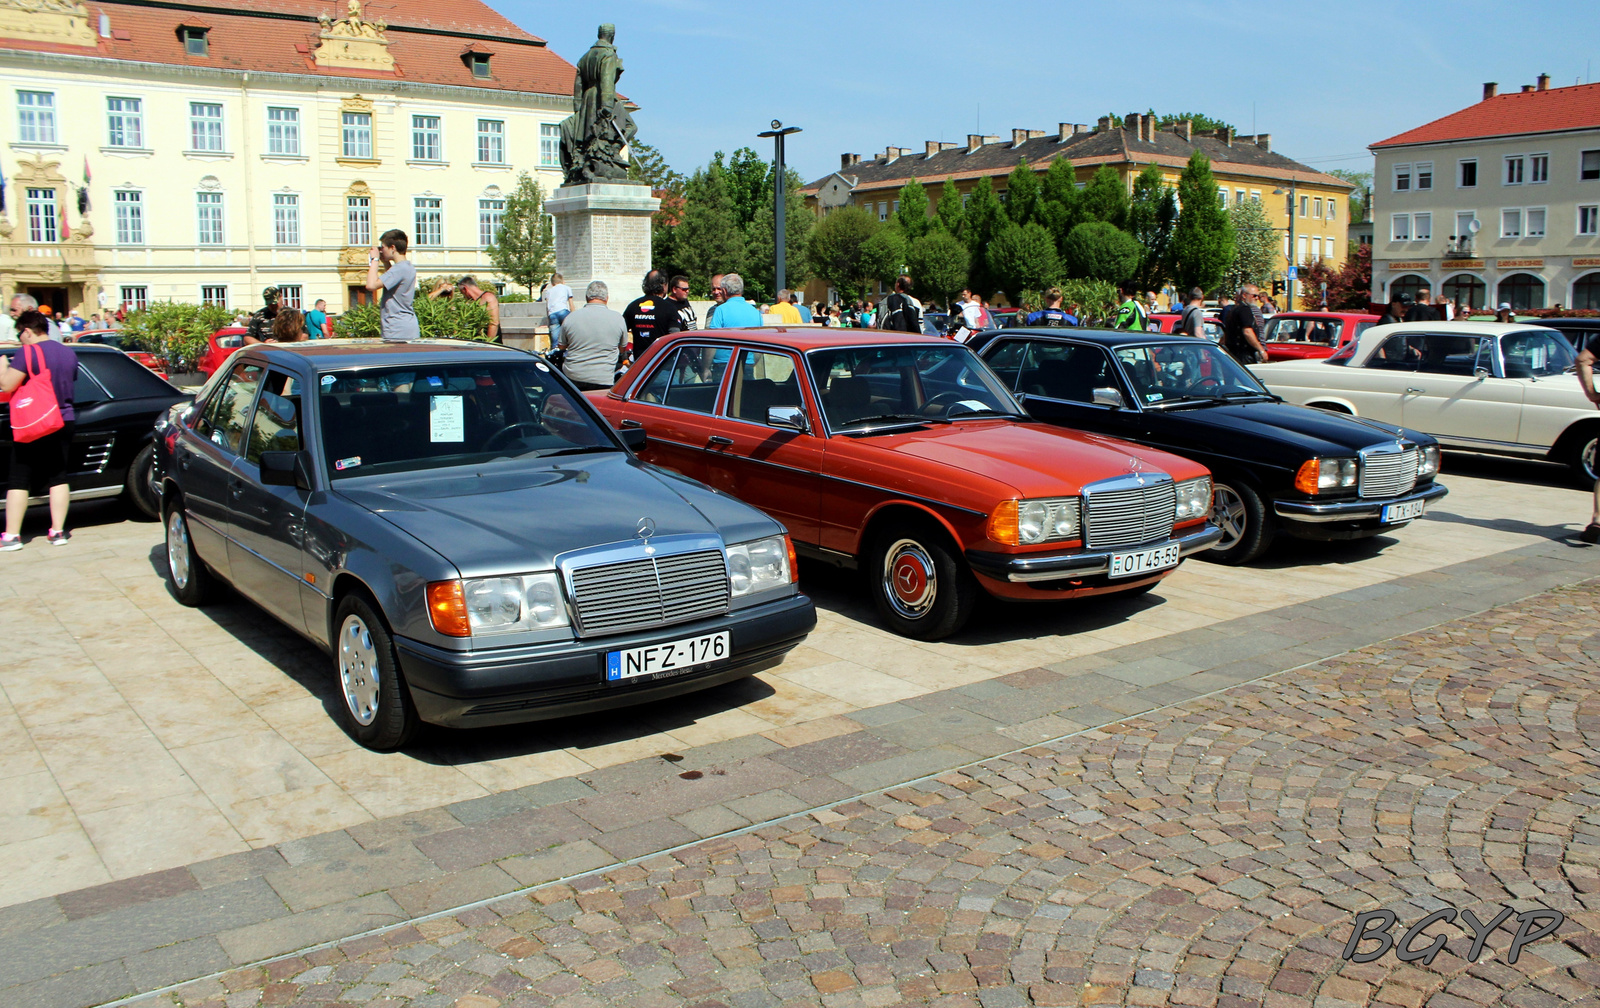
column 358, row 670
column 1228, row 513
column 178, row 548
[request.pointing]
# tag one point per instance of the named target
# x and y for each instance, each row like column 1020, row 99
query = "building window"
column 217, row 295
column 1300, row 249
column 1522, row 290
column 42, row 216
column 130, row 216
column 285, row 219
column 1399, row 227
column 1402, row 178
column 1316, row 207
column 283, row 131
column 1422, row 227
column 1329, row 209
column 895, row 207
column 1586, row 291
column 883, row 211
column 479, row 62
column 358, row 221
column 208, row 217
column 1538, row 168
column 1255, row 195
column 429, row 228
column 1589, row 165
column 1511, row 223
column 1222, row 195
column 491, row 141
column 1316, row 247
column 136, row 298
column 205, row 126
column 1514, row 170
column 425, row 143
column 549, row 145
column 1305, row 205
column 490, row 211
column 1424, row 171
column 289, row 296
column 355, row 136
column 1464, row 219
column 1534, row 222
column 36, row 117
column 124, row 122
column 1467, row 173
column 1589, row 220
column 1327, row 247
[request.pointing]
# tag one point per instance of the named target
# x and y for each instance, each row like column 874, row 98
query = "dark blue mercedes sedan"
column 466, row 537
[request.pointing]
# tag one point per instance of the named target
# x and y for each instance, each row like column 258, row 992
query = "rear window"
column 124, row 377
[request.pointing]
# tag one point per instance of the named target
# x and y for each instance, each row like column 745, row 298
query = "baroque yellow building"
column 202, row 152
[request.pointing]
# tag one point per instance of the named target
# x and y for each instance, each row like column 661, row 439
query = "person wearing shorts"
column 42, row 465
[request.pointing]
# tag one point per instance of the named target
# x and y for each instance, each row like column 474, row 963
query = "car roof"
column 338, row 354
column 1325, row 315
column 1377, row 334
column 1565, row 323
column 1105, row 337
column 809, row 337
column 99, row 348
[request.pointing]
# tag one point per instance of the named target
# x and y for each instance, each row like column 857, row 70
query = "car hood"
column 1317, row 431
column 511, row 517
column 1034, row 459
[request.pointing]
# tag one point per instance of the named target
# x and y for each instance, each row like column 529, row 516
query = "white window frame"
column 1222, row 195
column 1400, row 227
column 1422, row 172
column 1316, row 207
column 43, row 211
column 1507, row 232
column 212, row 201
column 358, row 221
column 1330, row 208
column 136, row 297
column 549, row 145
column 285, row 220
column 1527, row 221
column 207, row 132
column 124, row 126
column 355, row 136
column 283, row 132
column 36, row 117
column 1588, row 154
column 427, row 137
column 208, row 295
column 1514, row 169
column 1305, row 207
column 1255, row 194
column 427, row 221
column 1464, row 217
column 1592, row 211
column 491, row 141
column 491, row 212
column 291, row 296
column 1328, row 246
column 1422, row 226
column 128, row 208
column 1536, row 162
column 1461, row 166
column 1400, row 178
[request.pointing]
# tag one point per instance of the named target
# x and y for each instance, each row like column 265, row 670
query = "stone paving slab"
column 421, row 863
column 1212, row 854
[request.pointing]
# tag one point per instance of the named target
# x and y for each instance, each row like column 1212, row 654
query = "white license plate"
column 670, row 657
column 1404, row 511
column 1144, row 561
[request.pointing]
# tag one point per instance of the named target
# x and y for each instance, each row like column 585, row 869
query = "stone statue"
column 595, row 137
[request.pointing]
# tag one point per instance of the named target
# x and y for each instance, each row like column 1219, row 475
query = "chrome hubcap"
column 910, row 582
column 358, row 670
column 1587, row 456
column 178, row 549
column 1227, row 511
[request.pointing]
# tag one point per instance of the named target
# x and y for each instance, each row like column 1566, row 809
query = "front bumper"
column 510, row 685
column 1027, row 568
column 1347, row 519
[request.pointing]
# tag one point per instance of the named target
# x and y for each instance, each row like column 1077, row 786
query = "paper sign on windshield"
column 446, row 418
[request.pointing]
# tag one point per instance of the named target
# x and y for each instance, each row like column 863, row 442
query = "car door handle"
column 632, row 424
column 1413, row 391
column 720, row 441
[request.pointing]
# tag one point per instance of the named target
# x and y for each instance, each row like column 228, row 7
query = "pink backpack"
column 35, row 413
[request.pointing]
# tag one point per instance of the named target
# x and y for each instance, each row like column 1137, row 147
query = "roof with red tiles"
column 427, row 39
column 1552, row 110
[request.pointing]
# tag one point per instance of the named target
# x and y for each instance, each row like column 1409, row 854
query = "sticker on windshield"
column 447, row 418
column 1152, row 396
column 436, row 381
column 541, row 367
column 328, row 380
column 347, row 463
column 973, row 404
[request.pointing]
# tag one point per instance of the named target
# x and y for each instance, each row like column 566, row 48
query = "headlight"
column 1320, row 475
column 760, row 565
column 1026, row 522
column 497, row 605
column 1428, row 462
column 1194, row 498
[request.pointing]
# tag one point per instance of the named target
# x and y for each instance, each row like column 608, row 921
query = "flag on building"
column 66, row 232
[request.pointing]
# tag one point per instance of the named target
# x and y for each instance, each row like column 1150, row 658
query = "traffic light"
column 1277, row 287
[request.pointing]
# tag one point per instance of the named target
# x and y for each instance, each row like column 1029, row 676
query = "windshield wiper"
column 987, row 412
column 900, row 417
column 575, row 450
column 1248, row 395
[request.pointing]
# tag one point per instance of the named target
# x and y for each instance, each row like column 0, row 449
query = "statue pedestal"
column 603, row 233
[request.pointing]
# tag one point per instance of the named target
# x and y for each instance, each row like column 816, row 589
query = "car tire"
column 1585, row 467
column 373, row 695
column 138, row 491
column 922, row 588
column 1246, row 528
column 192, row 582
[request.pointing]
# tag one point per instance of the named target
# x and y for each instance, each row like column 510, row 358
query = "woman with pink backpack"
column 40, row 392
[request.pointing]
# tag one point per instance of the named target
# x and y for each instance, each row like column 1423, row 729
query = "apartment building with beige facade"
column 1498, row 203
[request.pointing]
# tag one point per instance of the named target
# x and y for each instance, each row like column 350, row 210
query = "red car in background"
column 223, row 342
column 1308, row 335
column 1167, row 322
column 113, row 338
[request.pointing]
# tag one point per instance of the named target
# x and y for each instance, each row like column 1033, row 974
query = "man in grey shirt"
column 397, row 318
column 594, row 340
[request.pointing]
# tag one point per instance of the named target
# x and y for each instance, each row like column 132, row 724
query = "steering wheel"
column 1208, row 382
column 488, row 443
column 941, row 402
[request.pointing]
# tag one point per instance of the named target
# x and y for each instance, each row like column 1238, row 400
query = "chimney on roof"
column 1149, row 122
column 932, row 147
column 1225, row 134
column 1264, row 141
column 974, row 141
column 1544, row 82
column 1130, row 123
column 1019, row 137
column 846, row 160
column 1490, row 89
column 1064, row 130
column 890, row 153
column 1103, row 124
column 1526, row 88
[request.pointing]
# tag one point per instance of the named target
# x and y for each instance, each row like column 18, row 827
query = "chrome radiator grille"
column 651, row 591
column 1388, row 474
column 1128, row 517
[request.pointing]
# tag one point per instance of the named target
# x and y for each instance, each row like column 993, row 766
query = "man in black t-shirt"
column 676, row 314
column 642, row 316
column 1239, row 335
column 1422, row 311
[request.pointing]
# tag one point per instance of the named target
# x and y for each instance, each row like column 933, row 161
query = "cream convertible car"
column 1476, row 386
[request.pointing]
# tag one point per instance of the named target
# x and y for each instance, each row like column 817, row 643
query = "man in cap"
column 259, row 327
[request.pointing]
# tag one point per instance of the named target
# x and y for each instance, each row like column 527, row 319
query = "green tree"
column 952, row 215
column 1023, row 257
column 1350, row 287
column 176, row 331
column 709, row 239
column 883, row 255
column 839, row 250
column 437, row 318
column 1152, row 214
column 760, row 242
column 1357, row 202
column 1022, row 194
column 1059, row 203
column 1099, row 251
column 913, row 213
column 1096, row 299
column 1203, row 240
column 1255, row 247
column 1199, row 122
column 986, row 216
column 645, row 164
column 1105, row 198
column 938, row 263
column 749, row 183
column 524, row 249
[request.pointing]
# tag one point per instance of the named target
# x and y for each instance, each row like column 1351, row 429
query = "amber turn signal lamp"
column 447, row 608
column 794, row 563
column 1306, row 479
column 1003, row 524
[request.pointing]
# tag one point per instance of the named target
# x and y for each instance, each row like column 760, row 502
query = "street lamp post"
column 779, row 190
column 1294, row 267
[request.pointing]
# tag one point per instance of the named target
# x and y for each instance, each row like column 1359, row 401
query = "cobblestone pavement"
column 1214, row 852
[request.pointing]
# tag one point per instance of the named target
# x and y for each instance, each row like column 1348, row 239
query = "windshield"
column 1536, row 354
column 389, row 420
column 1175, row 372
column 862, row 385
column 1321, row 332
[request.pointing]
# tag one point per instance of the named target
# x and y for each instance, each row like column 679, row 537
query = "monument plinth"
column 603, row 233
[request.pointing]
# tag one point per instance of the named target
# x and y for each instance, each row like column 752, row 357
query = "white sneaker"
column 8, row 543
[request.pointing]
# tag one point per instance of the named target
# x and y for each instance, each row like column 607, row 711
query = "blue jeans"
column 556, row 318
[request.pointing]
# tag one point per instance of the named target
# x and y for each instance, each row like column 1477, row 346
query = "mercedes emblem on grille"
column 645, row 529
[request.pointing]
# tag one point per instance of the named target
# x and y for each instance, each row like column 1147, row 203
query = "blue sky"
column 1324, row 80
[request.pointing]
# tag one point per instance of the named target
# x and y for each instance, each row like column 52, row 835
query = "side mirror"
column 285, row 468
column 788, row 418
column 634, row 437
column 1108, row 397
